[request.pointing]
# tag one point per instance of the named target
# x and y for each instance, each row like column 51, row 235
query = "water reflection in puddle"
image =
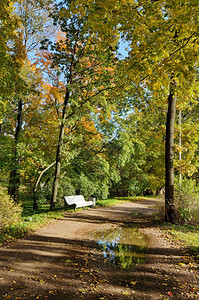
column 123, row 246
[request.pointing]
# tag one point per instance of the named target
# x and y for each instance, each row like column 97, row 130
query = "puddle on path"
column 123, row 246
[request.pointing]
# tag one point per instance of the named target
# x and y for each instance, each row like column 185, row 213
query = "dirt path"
column 63, row 261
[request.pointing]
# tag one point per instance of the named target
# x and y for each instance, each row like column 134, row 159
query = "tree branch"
column 42, row 172
column 86, row 100
column 184, row 45
column 100, row 150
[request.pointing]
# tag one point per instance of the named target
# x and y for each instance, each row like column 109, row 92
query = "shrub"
column 66, row 188
column 44, row 193
column 187, row 200
column 10, row 212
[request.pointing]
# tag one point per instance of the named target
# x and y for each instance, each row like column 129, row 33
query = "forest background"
column 79, row 117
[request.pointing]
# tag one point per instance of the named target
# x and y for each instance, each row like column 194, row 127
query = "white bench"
column 78, row 201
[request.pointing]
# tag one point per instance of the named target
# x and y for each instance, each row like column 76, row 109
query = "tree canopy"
column 78, row 117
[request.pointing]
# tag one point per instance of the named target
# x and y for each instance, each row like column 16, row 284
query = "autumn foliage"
column 79, row 114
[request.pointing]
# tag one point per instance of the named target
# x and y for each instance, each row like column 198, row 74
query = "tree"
column 170, row 213
column 86, row 67
column 8, row 25
column 149, row 122
column 35, row 22
column 186, row 139
column 11, row 58
column 31, row 15
column 163, row 42
column 163, row 49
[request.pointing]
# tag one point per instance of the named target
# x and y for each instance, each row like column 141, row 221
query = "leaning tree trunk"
column 170, row 214
column 58, row 155
column 14, row 180
column 35, row 204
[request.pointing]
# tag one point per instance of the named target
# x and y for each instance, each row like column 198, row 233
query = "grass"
column 119, row 200
column 108, row 202
column 30, row 220
column 187, row 234
column 27, row 224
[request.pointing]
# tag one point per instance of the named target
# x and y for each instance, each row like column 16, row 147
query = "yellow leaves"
column 126, row 293
column 133, row 282
column 182, row 264
column 64, row 13
column 54, row 293
column 37, row 279
column 7, row 297
column 85, row 270
column 67, row 260
column 83, row 291
column 79, row 8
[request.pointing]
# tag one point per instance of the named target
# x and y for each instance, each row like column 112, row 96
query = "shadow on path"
column 63, row 261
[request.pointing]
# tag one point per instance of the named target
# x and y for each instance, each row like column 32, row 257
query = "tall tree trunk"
column 170, row 214
column 59, row 151
column 14, row 180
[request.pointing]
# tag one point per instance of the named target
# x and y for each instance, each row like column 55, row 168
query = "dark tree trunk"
column 58, row 155
column 14, row 180
column 170, row 214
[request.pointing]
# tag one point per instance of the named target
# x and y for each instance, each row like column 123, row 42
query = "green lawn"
column 187, row 234
column 118, row 200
